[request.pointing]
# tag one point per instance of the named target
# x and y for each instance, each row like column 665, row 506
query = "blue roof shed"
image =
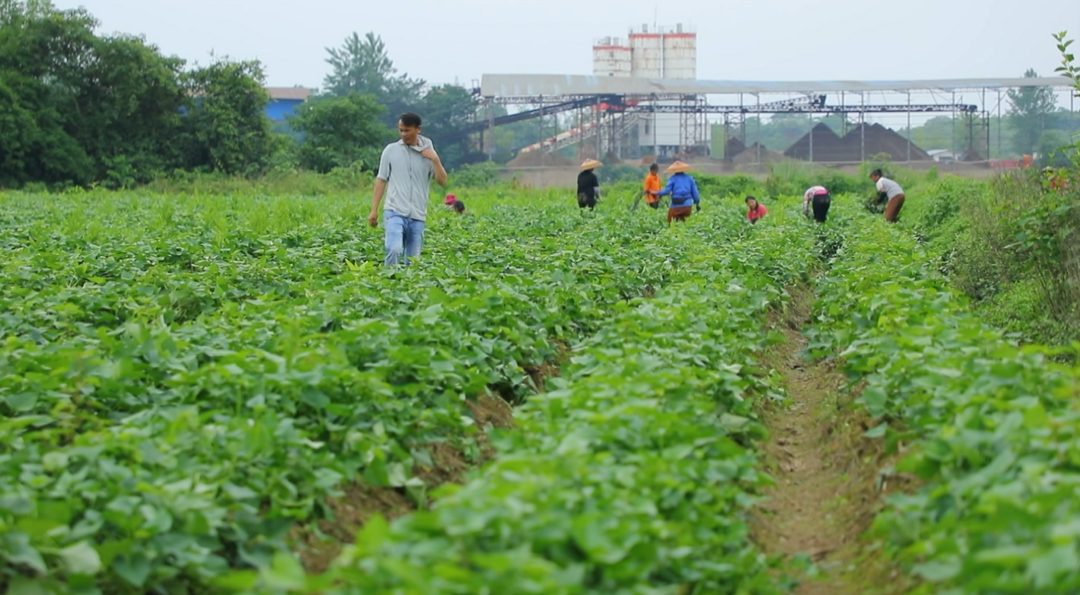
column 283, row 101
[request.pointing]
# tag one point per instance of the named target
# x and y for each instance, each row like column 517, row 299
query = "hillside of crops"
column 228, row 393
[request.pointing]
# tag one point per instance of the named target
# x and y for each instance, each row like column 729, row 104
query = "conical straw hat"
column 677, row 167
column 589, row 164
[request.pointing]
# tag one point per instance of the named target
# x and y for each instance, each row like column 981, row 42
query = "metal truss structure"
column 604, row 97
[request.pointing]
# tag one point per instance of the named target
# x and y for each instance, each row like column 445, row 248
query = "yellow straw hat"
column 589, row 164
column 677, row 167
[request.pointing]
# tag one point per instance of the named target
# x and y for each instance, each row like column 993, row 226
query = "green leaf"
column 21, row 585
column 733, row 423
column 21, row 552
column 877, row 431
column 283, row 573
column 940, row 570
column 238, row 492
column 375, row 532
column 81, row 558
column 22, row 402
column 134, row 568
column 239, row 581
column 1047, row 569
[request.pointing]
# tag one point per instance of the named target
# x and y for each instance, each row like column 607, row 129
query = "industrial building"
column 657, row 53
column 644, row 100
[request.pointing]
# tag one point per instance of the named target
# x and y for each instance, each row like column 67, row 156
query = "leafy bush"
column 738, row 185
column 614, row 174
column 1017, row 229
column 479, row 175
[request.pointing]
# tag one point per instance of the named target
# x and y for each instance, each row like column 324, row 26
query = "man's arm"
column 436, row 164
column 381, row 178
column 376, row 198
column 668, row 188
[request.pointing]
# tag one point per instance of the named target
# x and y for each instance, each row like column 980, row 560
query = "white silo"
column 611, row 58
column 646, row 54
column 680, row 54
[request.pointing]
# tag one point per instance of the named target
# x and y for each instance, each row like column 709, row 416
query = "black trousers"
column 820, row 205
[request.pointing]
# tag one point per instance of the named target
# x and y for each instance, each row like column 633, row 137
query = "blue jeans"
column 404, row 237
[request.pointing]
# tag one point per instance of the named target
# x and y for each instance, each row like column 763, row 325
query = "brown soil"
column 546, row 370
column 317, row 547
column 828, row 486
column 489, row 409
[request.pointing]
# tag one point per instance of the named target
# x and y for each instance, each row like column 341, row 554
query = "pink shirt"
column 758, row 213
column 814, row 191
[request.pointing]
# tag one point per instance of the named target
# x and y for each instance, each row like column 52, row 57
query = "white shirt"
column 889, row 187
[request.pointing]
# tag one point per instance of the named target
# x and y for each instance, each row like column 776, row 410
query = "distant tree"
column 446, row 110
column 362, row 66
column 226, row 126
column 129, row 104
column 1054, row 148
column 1030, row 112
column 41, row 50
column 79, row 108
column 340, row 131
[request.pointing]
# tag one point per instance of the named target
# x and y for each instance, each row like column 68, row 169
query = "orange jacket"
column 652, row 187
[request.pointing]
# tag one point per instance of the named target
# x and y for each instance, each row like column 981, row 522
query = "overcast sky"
column 446, row 40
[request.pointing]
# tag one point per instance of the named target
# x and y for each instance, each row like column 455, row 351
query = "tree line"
column 79, row 108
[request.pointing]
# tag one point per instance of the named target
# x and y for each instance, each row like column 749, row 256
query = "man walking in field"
column 405, row 171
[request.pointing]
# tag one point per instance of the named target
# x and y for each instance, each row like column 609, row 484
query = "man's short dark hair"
column 876, row 172
column 654, row 167
column 410, row 119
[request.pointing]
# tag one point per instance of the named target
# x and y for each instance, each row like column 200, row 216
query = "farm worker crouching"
column 683, row 190
column 452, row 203
column 816, row 197
column 588, row 187
column 405, row 171
column 754, row 209
column 892, row 192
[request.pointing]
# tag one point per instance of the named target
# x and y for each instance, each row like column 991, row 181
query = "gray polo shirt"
column 407, row 174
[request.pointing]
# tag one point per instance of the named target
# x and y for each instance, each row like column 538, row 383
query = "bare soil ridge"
column 828, row 486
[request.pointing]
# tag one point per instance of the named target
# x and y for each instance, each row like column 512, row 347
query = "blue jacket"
column 683, row 190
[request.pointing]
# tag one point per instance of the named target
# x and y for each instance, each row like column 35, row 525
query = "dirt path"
column 827, row 474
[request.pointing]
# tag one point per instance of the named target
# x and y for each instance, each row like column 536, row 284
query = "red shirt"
column 755, row 214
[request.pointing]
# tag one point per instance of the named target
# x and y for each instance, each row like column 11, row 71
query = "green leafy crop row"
column 633, row 474
column 989, row 427
column 183, row 379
